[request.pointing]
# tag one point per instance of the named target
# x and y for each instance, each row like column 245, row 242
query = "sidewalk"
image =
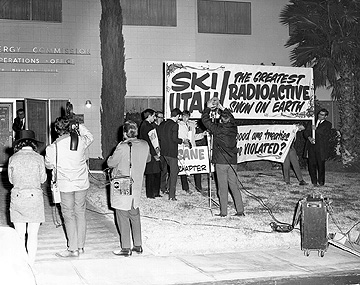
column 98, row 266
column 147, row 269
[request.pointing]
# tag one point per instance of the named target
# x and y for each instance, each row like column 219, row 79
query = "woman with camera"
column 68, row 159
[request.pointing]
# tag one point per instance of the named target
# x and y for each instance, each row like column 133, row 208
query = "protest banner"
column 194, row 160
column 264, row 142
column 154, row 138
column 248, row 91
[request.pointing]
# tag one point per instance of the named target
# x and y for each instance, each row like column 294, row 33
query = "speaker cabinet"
column 314, row 225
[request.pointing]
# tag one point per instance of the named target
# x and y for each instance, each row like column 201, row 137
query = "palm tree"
column 325, row 35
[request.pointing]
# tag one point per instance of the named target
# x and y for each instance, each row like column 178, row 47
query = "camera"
column 73, row 119
column 73, row 126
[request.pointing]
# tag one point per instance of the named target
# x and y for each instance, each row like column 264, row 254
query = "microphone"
column 130, row 144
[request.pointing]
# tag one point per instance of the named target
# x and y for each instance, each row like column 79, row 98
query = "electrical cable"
column 278, row 225
column 55, row 212
column 344, row 234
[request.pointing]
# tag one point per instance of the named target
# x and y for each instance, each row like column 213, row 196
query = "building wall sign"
column 14, row 55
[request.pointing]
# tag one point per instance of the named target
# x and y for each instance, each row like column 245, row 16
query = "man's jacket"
column 168, row 138
column 224, row 138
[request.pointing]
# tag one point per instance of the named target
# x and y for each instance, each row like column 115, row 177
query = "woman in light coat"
column 134, row 152
column 26, row 171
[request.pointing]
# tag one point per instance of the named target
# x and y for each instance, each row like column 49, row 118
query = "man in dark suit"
column 169, row 141
column 19, row 122
column 317, row 149
column 152, row 170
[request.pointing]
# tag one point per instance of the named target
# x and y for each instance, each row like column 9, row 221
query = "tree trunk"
column 348, row 108
column 113, row 76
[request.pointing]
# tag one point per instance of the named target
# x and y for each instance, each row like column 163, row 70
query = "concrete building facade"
column 61, row 60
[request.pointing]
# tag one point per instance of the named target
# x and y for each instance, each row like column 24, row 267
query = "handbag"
column 122, row 185
column 54, row 187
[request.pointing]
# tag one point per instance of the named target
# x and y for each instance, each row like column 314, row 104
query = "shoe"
column 156, row 196
column 172, row 199
column 302, row 182
column 321, row 184
column 220, row 215
column 288, row 183
column 68, row 253
column 165, row 191
column 239, row 215
column 315, row 185
column 123, row 252
column 81, row 250
column 138, row 249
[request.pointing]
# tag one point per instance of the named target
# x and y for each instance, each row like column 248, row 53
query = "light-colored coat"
column 72, row 170
column 120, row 162
column 26, row 170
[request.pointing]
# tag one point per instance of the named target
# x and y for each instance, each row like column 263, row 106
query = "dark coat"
column 224, row 138
column 18, row 126
column 322, row 137
column 153, row 166
column 168, row 138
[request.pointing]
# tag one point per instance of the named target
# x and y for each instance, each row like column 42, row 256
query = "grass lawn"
column 189, row 225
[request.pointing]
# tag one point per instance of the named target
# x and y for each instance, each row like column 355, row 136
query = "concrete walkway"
column 98, row 266
column 148, row 269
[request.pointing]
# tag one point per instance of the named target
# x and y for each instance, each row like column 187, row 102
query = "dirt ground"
column 190, row 226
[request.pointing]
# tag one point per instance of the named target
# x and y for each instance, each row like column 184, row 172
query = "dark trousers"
column 129, row 224
column 163, row 175
column 185, row 182
column 172, row 163
column 197, row 179
column 291, row 159
column 152, row 184
column 316, row 167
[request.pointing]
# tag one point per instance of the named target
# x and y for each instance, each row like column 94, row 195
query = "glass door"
column 6, row 133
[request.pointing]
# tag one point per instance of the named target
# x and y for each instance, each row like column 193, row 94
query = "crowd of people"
column 151, row 150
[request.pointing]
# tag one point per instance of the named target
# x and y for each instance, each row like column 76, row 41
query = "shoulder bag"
column 122, row 185
column 54, row 187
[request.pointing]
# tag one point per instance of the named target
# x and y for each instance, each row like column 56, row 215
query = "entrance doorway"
column 39, row 116
column 7, row 110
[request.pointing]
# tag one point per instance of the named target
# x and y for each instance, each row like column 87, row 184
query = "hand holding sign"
column 300, row 127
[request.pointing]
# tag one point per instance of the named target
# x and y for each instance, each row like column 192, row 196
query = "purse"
column 54, row 187
column 122, row 185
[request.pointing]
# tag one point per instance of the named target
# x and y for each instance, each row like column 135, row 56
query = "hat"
column 26, row 135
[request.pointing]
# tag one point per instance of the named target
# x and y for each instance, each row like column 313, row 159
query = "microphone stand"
column 209, row 138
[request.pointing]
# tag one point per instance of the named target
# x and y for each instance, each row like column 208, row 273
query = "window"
column 31, row 10
column 149, row 12
column 224, row 17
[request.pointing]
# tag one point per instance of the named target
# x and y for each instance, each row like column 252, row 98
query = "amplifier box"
column 314, row 225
